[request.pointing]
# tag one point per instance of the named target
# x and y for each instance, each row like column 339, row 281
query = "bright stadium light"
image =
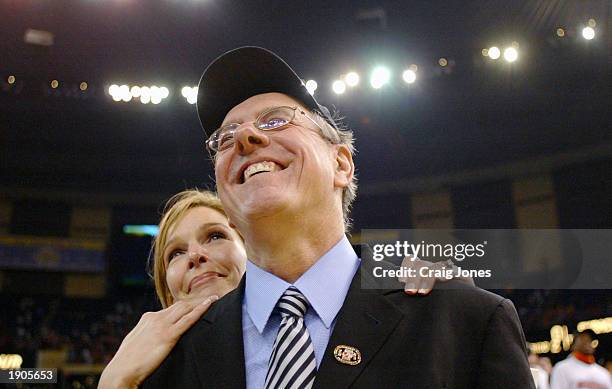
column 189, row 93
column 135, row 91
column 145, row 95
column 409, row 76
column 510, row 54
column 124, row 92
column 156, row 99
column 351, row 79
column 494, row 52
column 339, row 87
column 155, row 92
column 164, row 92
column 588, row 33
column 311, row 86
column 380, row 76
column 113, row 90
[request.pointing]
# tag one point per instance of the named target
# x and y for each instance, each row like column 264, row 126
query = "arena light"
column 409, row 76
column 588, row 33
column 135, row 91
column 510, row 54
column 380, row 76
column 165, row 92
column 113, row 90
column 311, row 86
column 560, row 32
column 54, row 84
column 10, row 80
column 155, row 91
column 190, row 94
column 592, row 23
column 443, row 62
column 494, row 52
column 339, row 87
column 156, row 94
column 351, row 79
column 83, row 86
column 145, row 95
column 124, row 92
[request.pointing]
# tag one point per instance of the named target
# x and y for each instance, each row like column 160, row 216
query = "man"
column 579, row 369
column 300, row 317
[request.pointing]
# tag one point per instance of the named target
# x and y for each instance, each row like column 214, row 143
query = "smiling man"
column 300, row 317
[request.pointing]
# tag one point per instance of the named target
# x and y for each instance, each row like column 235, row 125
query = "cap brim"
column 241, row 73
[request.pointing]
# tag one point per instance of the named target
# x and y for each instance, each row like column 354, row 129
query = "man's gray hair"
column 341, row 134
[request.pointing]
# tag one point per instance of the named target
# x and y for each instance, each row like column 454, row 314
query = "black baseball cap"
column 244, row 72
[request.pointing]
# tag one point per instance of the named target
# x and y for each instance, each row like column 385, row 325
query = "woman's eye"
column 174, row 254
column 216, row 236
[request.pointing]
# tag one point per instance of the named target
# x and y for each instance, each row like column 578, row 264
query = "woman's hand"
column 423, row 285
column 150, row 342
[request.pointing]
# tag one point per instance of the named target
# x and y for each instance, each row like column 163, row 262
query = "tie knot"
column 292, row 303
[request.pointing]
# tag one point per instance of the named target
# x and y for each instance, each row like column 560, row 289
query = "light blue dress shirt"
column 325, row 285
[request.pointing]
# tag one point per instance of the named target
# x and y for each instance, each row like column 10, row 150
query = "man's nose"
column 248, row 138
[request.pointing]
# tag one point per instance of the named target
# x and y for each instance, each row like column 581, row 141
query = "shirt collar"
column 324, row 285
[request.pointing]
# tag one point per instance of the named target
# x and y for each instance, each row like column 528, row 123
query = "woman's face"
column 203, row 256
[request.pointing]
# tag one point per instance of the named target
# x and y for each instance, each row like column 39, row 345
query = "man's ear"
column 345, row 168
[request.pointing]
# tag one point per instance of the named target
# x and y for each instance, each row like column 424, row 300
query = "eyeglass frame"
column 261, row 115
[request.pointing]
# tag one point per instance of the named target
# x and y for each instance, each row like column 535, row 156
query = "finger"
column 185, row 322
column 176, row 311
column 411, row 286
column 426, row 285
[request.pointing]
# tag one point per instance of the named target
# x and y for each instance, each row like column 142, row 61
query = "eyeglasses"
column 272, row 119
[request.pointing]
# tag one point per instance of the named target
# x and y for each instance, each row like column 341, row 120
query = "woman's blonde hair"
column 176, row 207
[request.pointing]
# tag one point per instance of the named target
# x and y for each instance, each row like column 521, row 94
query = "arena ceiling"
column 471, row 114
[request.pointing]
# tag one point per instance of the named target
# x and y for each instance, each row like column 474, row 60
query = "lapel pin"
column 347, row 354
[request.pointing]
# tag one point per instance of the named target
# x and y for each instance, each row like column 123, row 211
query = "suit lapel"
column 218, row 348
column 365, row 322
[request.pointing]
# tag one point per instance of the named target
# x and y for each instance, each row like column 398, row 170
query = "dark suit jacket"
column 463, row 338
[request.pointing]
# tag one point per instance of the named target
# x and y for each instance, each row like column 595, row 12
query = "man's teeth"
column 265, row 166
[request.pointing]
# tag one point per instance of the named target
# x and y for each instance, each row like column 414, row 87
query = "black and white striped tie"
column 292, row 363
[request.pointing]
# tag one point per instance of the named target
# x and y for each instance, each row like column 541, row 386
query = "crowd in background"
column 91, row 330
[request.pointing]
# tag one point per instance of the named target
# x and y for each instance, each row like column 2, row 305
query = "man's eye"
column 225, row 140
column 273, row 123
